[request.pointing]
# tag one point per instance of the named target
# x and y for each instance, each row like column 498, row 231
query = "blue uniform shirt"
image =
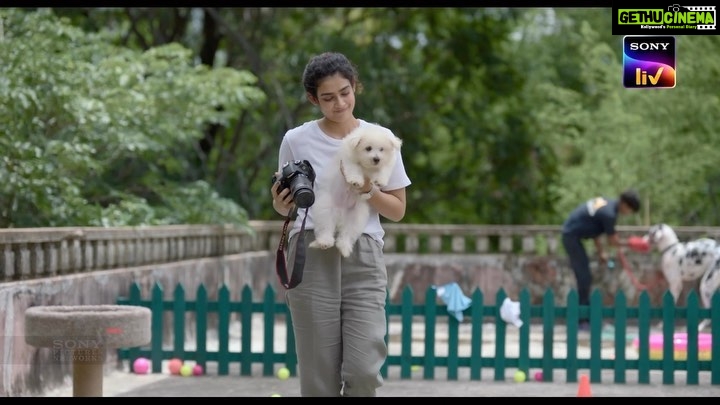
column 593, row 218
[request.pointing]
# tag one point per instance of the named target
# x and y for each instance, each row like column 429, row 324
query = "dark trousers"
column 580, row 265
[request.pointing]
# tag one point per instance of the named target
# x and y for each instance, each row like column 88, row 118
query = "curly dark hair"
column 327, row 64
column 631, row 198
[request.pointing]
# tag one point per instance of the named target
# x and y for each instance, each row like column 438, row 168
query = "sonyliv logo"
column 649, row 62
column 673, row 19
column 79, row 349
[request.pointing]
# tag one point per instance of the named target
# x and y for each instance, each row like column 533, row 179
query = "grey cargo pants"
column 339, row 321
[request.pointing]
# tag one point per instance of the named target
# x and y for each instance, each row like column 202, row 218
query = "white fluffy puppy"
column 340, row 213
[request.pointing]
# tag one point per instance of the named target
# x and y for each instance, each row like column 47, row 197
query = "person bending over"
column 591, row 220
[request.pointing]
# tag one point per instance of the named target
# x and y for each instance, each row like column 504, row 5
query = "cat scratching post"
column 83, row 334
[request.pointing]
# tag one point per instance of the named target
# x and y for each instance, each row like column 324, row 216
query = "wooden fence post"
column 158, row 313
column 406, row 315
column 548, row 316
column 268, row 311
column 179, row 322
column 246, row 312
column 201, row 316
column 620, row 325
column 223, row 330
column 476, row 357
column 430, row 319
column 500, row 334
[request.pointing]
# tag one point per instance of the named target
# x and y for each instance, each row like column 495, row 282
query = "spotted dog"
column 687, row 261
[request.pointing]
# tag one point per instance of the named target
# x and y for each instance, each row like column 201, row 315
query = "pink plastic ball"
column 141, row 365
column 538, row 376
column 174, row 366
column 197, row 370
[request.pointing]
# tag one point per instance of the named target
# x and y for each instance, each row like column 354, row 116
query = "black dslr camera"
column 299, row 176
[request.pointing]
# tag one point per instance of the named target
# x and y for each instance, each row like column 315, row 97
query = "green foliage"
column 508, row 115
column 95, row 134
column 195, row 203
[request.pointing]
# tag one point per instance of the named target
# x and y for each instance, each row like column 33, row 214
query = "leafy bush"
column 94, row 134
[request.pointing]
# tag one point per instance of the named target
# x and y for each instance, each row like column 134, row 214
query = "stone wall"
column 27, row 370
column 489, row 273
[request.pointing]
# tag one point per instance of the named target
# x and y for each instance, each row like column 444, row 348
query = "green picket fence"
column 545, row 316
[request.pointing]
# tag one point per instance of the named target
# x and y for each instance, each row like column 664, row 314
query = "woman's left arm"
column 390, row 204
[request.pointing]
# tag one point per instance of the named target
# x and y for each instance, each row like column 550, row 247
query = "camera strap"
column 299, row 263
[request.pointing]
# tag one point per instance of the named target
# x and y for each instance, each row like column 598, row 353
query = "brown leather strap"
column 299, row 263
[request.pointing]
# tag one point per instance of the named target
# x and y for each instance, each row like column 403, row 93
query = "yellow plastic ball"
column 186, row 370
column 283, row 373
column 519, row 376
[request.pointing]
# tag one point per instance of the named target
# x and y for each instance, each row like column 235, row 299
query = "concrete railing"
column 32, row 253
column 469, row 239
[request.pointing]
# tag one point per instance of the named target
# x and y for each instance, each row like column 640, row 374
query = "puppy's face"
column 373, row 149
column 656, row 234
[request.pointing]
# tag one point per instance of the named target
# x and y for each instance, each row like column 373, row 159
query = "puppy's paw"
column 355, row 181
column 345, row 247
column 322, row 243
column 379, row 183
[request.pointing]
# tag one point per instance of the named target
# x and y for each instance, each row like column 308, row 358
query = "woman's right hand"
column 282, row 202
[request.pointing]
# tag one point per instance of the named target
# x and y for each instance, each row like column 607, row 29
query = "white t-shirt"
column 309, row 142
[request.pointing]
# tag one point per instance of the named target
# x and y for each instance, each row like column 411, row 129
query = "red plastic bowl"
column 638, row 244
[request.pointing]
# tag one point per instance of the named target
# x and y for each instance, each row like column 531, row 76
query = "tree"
column 96, row 134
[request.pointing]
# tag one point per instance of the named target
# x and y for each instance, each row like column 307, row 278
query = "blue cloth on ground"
column 453, row 297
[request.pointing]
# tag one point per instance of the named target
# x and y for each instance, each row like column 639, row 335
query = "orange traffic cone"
column 584, row 387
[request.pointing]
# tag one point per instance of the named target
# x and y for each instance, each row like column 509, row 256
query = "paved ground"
column 122, row 383
column 125, row 384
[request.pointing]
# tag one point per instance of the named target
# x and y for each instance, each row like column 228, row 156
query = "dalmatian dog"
column 687, row 261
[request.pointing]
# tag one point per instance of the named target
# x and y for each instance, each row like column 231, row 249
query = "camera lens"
column 304, row 198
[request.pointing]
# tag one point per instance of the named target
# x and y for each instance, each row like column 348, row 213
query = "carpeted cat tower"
column 82, row 334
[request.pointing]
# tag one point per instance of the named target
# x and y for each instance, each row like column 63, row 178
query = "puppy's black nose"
column 376, row 160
